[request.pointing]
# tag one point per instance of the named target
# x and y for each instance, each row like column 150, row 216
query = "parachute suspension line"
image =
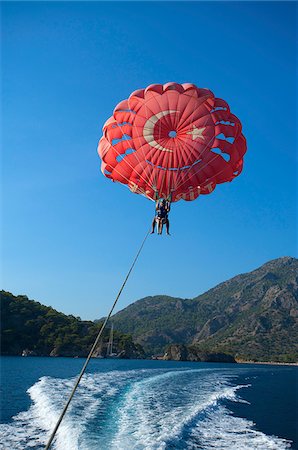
column 180, row 159
column 199, row 168
column 191, row 166
column 119, row 154
column 203, row 167
column 196, row 172
column 48, row 445
column 136, row 154
column 154, row 176
column 162, row 175
column 180, row 147
column 181, row 151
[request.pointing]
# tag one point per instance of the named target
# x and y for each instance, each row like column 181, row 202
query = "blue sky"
column 69, row 234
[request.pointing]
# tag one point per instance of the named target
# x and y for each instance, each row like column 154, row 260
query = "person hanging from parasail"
column 162, row 209
column 174, row 141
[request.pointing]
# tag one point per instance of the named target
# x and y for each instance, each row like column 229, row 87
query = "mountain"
column 252, row 316
column 27, row 325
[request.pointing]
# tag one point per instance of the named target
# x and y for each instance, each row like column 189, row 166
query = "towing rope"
column 94, row 346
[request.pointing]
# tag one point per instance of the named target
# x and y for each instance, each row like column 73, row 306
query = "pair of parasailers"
column 162, row 209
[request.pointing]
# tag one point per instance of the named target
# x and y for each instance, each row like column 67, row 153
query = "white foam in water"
column 168, row 411
column 221, row 430
column 149, row 409
column 32, row 428
column 158, row 409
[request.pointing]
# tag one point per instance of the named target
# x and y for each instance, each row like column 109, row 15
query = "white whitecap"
column 148, row 409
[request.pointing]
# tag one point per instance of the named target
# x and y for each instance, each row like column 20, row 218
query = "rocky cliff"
column 252, row 316
column 191, row 353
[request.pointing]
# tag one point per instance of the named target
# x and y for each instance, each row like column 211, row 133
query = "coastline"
column 270, row 363
column 161, row 358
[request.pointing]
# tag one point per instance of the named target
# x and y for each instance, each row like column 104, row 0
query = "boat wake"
column 150, row 409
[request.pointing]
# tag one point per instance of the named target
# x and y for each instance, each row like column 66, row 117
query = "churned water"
column 125, row 405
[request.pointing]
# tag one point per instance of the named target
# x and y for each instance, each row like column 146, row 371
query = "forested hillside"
column 29, row 325
column 251, row 316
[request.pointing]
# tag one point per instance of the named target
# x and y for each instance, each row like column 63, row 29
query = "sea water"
column 135, row 404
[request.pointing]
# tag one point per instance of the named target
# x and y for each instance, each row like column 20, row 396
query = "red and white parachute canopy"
column 173, row 141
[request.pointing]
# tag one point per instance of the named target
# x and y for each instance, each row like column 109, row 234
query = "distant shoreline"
column 238, row 361
column 271, row 363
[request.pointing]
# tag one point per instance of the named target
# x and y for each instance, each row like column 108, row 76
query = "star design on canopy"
column 196, row 132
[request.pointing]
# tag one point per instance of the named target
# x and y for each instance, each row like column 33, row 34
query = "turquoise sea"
column 130, row 404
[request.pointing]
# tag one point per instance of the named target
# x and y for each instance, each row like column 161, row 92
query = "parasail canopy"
column 173, row 141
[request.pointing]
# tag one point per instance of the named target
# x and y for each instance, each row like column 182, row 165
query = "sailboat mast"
column 110, row 343
column 111, row 339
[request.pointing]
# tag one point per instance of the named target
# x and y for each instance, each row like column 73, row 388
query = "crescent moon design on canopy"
column 149, row 127
column 173, row 141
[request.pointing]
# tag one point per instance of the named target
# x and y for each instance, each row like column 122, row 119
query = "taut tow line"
column 49, row 443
